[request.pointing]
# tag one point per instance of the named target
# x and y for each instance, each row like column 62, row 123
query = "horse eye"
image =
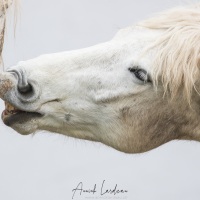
column 140, row 74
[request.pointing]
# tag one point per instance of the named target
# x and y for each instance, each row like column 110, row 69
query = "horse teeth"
column 10, row 109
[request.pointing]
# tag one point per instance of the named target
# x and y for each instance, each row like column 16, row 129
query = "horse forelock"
column 177, row 60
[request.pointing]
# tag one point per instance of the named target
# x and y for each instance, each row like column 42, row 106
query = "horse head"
column 133, row 93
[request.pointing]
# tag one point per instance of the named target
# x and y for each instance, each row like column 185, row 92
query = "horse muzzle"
column 16, row 93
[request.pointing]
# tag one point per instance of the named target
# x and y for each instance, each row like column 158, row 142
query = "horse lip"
column 20, row 117
column 12, row 114
column 11, row 107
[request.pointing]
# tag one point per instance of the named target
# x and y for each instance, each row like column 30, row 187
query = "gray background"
column 48, row 166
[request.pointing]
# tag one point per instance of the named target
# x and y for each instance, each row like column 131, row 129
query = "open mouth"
column 13, row 115
column 9, row 111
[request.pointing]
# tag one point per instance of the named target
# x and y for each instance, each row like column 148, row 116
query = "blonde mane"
column 4, row 5
column 178, row 49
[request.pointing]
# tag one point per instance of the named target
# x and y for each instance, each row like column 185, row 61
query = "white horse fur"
column 133, row 93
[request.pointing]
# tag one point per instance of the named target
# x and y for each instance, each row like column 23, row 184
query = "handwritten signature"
column 103, row 191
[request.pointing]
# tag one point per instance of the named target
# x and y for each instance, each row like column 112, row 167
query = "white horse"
column 133, row 93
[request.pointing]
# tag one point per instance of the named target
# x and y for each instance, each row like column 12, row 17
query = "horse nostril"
column 23, row 86
column 24, row 89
